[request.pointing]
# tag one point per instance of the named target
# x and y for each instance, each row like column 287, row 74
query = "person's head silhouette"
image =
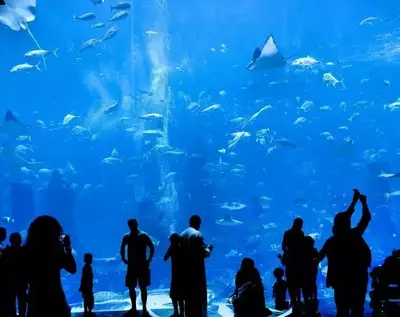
column 133, row 225
column 298, row 224
column 44, row 234
column 195, row 222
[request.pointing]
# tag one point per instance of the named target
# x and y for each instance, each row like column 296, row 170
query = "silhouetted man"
column 194, row 252
column 138, row 264
column 348, row 260
column 292, row 246
column 4, row 285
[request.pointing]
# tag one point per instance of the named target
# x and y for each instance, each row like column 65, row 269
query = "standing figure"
column 195, row 251
column 86, row 287
column 292, row 246
column 14, row 258
column 47, row 251
column 138, row 264
column 177, row 277
column 279, row 290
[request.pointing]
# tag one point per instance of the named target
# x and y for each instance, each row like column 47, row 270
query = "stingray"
column 268, row 57
column 11, row 125
column 16, row 14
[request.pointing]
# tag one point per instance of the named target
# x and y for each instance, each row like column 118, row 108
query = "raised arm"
column 366, row 216
column 167, row 254
column 356, row 197
column 122, row 249
column 69, row 263
column 324, row 251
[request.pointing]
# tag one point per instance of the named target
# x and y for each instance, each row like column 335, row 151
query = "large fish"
column 268, row 57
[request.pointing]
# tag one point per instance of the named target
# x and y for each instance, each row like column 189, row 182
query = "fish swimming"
column 85, row 17
column 21, row 68
column 41, row 53
column 121, row 6
column 119, row 16
column 88, row 44
column 109, row 34
column 111, row 108
column 268, row 57
column 228, row 221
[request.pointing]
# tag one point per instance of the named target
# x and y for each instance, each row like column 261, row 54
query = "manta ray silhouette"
column 11, row 117
column 268, row 57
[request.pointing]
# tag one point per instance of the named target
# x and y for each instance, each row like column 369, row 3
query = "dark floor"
column 166, row 313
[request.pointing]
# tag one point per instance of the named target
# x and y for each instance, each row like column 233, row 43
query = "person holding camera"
column 47, row 252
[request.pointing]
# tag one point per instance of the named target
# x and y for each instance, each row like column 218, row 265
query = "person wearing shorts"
column 138, row 265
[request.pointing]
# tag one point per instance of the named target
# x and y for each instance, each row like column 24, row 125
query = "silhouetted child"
column 86, row 287
column 279, row 290
column 14, row 258
column 311, row 266
column 309, row 286
column 177, row 279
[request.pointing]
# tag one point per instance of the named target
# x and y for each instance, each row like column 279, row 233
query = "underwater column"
column 157, row 47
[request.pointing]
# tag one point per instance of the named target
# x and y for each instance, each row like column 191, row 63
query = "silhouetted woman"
column 248, row 299
column 48, row 251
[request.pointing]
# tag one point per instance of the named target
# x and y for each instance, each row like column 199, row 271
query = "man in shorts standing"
column 138, row 271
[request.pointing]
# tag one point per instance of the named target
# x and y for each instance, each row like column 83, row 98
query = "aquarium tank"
column 248, row 113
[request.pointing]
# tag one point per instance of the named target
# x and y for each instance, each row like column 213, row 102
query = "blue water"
column 199, row 54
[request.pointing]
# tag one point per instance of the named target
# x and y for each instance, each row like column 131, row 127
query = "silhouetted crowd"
column 30, row 275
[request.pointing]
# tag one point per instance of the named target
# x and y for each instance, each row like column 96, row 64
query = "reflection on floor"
column 167, row 313
column 110, row 304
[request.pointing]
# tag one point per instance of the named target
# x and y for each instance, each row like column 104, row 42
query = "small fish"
column 22, row 68
column 151, row 33
column 307, row 61
column 228, row 221
column 110, row 33
column 329, row 79
column 119, row 16
column 24, row 138
column 88, row 44
column 7, row 220
column 96, row 2
column 98, row 25
column 68, row 118
column 41, row 53
column 121, row 6
column 111, row 108
column 149, row 116
column 85, row 17
column 210, row 108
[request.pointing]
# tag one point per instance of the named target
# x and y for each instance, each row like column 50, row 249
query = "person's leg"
column 131, row 282
column 342, row 301
column 175, row 305
column 132, row 296
column 358, row 298
column 22, row 297
column 181, row 308
column 10, row 303
column 91, row 302
column 144, row 281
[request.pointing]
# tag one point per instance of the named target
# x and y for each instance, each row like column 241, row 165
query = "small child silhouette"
column 279, row 290
column 86, row 287
column 14, row 258
column 176, row 291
